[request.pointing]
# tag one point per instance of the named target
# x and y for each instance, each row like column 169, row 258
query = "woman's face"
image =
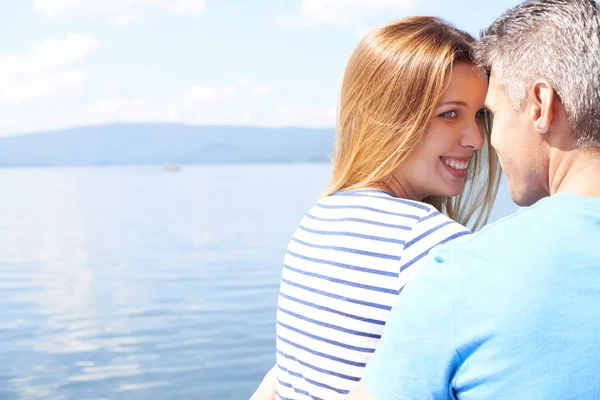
column 439, row 166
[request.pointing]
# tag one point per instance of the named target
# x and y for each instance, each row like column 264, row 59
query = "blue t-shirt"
column 512, row 312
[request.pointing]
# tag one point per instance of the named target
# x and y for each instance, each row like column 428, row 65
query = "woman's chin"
column 451, row 189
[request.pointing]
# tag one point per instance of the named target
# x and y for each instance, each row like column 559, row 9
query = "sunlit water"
column 135, row 283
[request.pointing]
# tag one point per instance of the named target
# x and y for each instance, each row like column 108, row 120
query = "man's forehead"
column 488, row 100
column 492, row 90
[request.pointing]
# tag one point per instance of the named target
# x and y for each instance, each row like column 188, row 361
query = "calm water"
column 134, row 283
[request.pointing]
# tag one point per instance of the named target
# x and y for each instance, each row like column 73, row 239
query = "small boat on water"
column 171, row 168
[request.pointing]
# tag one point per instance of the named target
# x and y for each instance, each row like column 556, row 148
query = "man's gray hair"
column 557, row 40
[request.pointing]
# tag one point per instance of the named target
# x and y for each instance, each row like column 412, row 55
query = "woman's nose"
column 472, row 137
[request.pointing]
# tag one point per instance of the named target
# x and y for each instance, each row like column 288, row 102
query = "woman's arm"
column 360, row 392
column 266, row 390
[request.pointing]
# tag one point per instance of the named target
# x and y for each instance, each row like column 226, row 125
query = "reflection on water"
column 133, row 283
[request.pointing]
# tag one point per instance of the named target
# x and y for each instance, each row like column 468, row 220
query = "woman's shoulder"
column 375, row 203
column 380, row 213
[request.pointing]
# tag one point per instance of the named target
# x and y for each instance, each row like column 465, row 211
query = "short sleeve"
column 432, row 230
column 417, row 358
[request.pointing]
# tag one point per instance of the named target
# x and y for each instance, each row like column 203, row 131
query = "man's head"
column 544, row 58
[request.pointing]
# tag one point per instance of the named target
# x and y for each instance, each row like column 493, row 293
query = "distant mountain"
column 130, row 144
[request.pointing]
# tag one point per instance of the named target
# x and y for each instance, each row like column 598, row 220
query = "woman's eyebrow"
column 454, row 102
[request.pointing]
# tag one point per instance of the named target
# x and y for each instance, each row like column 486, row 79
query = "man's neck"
column 577, row 172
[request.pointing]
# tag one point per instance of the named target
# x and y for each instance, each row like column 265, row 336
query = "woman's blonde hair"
column 392, row 85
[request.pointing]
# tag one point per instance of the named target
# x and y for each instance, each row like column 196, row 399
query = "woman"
column 412, row 167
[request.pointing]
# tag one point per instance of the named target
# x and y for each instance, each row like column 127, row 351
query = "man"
column 513, row 312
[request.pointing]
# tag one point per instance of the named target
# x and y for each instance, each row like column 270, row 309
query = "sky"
column 67, row 63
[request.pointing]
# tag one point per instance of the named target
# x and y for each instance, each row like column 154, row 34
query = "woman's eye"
column 449, row 114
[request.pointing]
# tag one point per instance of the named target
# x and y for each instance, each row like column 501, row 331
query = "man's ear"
column 541, row 99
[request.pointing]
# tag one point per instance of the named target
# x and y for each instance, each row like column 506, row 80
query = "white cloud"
column 240, row 103
column 196, row 105
column 45, row 71
column 44, row 89
column 51, row 53
column 200, row 93
column 255, row 89
column 313, row 117
column 344, row 12
column 199, row 104
column 43, row 86
column 246, row 102
column 262, row 90
column 226, row 105
column 118, row 12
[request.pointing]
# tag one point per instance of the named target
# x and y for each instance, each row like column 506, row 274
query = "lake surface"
column 135, row 283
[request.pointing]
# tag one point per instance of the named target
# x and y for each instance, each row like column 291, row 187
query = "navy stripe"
column 337, row 297
column 360, row 220
column 319, row 384
column 342, row 282
column 281, row 397
column 324, row 371
column 433, row 214
column 328, row 341
column 351, row 234
column 343, row 192
column 330, row 326
column 317, row 353
column 429, row 232
column 299, row 391
column 331, row 310
column 348, row 250
column 341, row 265
column 377, row 210
column 411, row 203
column 417, row 258
column 284, row 384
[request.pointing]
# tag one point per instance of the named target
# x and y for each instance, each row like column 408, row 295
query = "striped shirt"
column 343, row 270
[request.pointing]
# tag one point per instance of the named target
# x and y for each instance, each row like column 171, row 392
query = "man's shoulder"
column 493, row 250
column 506, row 232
